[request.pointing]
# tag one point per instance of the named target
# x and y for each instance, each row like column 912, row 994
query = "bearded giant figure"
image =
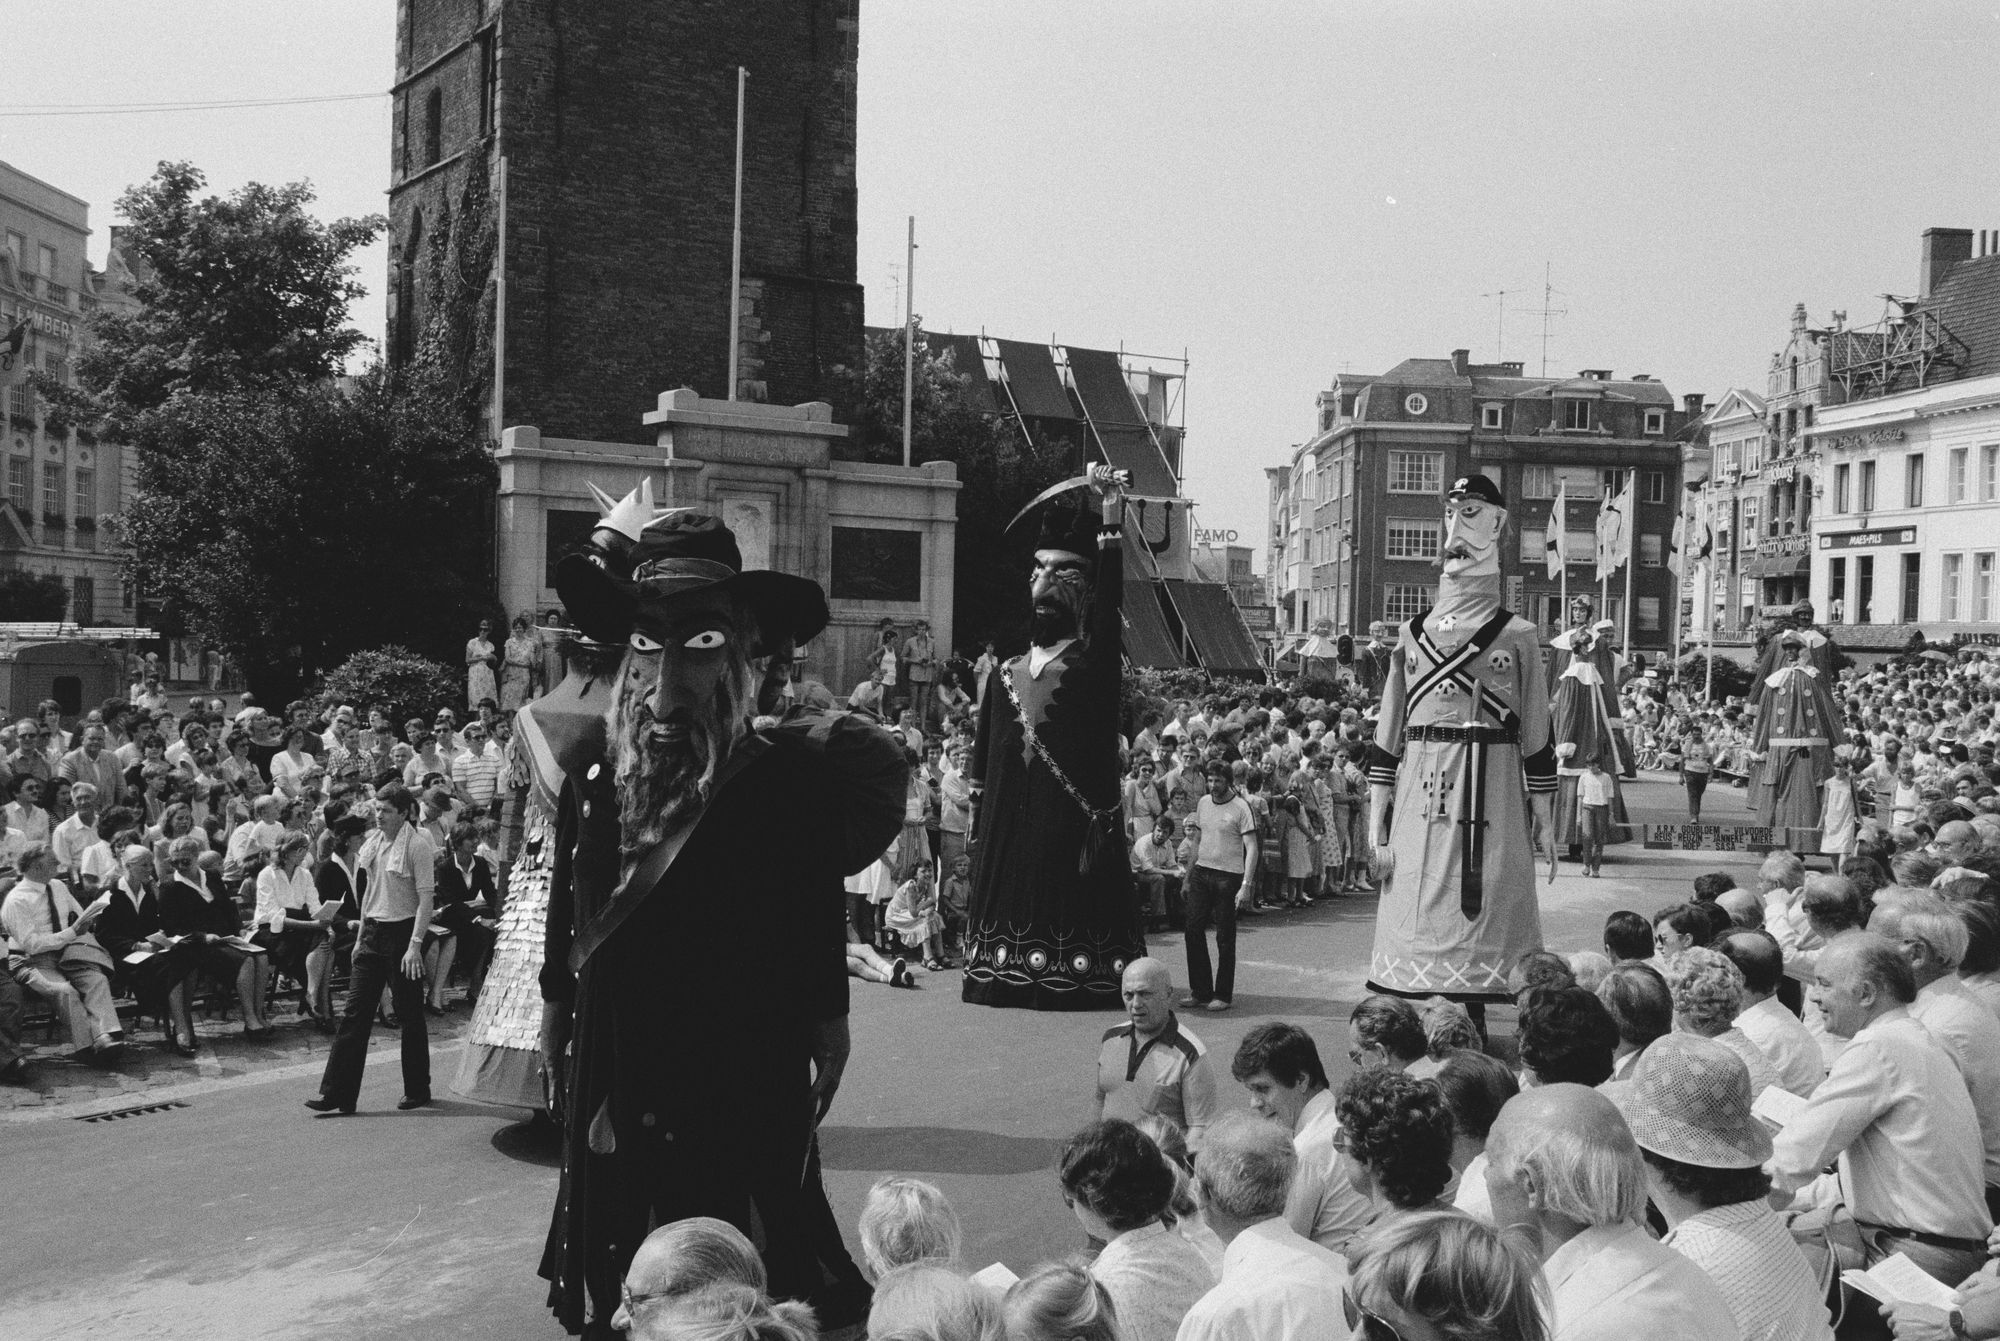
column 1054, row 919
column 1798, row 726
column 1461, row 776
column 688, row 1082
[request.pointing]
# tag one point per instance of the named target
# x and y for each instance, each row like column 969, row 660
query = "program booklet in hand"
column 1777, row 1107
column 997, row 1278
column 1897, row 1280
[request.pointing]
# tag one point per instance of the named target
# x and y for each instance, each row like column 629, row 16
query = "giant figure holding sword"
column 1461, row 776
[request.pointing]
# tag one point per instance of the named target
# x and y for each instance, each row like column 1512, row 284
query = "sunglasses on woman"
column 1366, row 1325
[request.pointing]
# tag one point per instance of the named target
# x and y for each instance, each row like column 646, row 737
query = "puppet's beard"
column 666, row 769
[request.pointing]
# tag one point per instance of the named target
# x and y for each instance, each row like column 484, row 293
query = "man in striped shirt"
column 475, row 772
column 1150, row 1064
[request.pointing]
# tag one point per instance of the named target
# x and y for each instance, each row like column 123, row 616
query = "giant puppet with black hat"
column 1053, row 920
column 1461, row 776
column 689, row 1074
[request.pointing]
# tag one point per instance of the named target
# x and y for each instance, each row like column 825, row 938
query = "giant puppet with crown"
column 697, row 815
column 1461, row 776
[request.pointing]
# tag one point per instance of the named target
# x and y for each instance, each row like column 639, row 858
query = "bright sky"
column 1283, row 190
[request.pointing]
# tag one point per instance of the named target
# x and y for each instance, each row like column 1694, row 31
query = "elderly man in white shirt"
column 56, row 956
column 1688, row 1106
column 1281, row 1068
column 1275, row 1286
column 1562, row 1164
column 1895, row 1112
column 1932, row 937
column 1793, row 1052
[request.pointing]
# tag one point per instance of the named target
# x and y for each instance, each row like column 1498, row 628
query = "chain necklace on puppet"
column 1101, row 820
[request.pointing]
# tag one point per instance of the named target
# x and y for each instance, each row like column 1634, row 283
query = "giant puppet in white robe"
column 1461, row 776
column 1583, row 727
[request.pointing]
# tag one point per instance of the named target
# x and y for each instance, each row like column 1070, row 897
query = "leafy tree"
column 237, row 294
column 32, row 597
column 396, row 680
column 293, row 528
column 999, row 470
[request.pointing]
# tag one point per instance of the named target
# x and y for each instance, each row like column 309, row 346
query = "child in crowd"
column 954, row 897
column 913, row 915
column 1593, row 794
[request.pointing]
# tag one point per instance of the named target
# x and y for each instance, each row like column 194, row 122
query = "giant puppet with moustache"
column 1461, row 775
column 691, row 1078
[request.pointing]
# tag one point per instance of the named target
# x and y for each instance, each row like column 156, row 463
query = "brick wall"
column 617, row 118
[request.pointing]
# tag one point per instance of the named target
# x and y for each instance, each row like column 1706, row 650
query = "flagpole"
column 1631, row 521
column 736, row 244
column 1708, row 521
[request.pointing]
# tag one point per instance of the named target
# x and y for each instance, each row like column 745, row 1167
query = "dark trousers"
column 378, row 962
column 1211, row 898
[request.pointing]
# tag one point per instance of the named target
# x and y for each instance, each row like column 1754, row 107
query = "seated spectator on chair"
column 1435, row 1274
column 727, row 1313
column 1448, row 1028
column 258, row 837
column 340, row 880
column 1793, row 1053
column 1708, row 995
column 25, row 814
column 193, row 903
column 1628, row 938
column 1566, row 1036
column 1281, row 1068
column 1385, row 1031
column 1060, row 1301
column 56, row 956
column 1562, row 1166
column 74, row 835
column 684, row 1258
column 928, row 1302
column 907, row 1220
column 1120, row 1187
column 1689, row 1110
column 1275, row 1284
column 292, row 920
column 1396, row 1132
column 1157, row 871
column 129, row 930
column 466, row 913
column 1475, row 1088
column 1895, row 1113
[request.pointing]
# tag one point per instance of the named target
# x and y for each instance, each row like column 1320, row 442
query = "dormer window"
column 1656, row 421
column 1576, row 414
column 1492, row 415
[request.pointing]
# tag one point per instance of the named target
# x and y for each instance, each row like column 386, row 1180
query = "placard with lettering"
column 1727, row 838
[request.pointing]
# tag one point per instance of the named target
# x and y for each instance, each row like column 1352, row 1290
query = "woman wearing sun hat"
column 1688, row 1104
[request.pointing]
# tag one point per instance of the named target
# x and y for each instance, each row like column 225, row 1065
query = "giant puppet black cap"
column 1475, row 486
column 1068, row 528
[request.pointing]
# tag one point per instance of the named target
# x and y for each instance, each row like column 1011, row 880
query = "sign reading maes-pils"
column 1726, row 837
column 1207, row 537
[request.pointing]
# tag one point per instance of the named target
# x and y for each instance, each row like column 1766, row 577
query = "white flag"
column 1614, row 530
column 1675, row 542
column 1558, row 519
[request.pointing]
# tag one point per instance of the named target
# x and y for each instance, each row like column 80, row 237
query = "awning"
column 1133, row 449
column 1220, row 639
column 1128, row 444
column 1031, row 378
column 1147, row 641
column 1788, row 565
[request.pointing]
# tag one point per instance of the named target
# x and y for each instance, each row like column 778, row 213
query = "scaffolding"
column 1910, row 347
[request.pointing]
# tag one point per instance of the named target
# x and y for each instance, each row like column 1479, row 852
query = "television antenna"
column 1547, row 310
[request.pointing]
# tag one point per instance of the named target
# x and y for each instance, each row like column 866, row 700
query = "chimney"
column 1640, row 377
column 1461, row 362
column 1595, row 374
column 1693, row 402
column 1943, row 249
column 1513, row 367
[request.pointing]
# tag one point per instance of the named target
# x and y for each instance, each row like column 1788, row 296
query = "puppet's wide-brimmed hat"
column 639, row 555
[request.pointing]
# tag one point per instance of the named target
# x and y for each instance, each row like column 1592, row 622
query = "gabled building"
column 1368, row 489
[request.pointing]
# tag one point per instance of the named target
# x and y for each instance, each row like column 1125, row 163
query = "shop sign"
column 1259, row 618
column 1204, row 536
column 1892, row 535
column 1784, row 544
column 1874, row 437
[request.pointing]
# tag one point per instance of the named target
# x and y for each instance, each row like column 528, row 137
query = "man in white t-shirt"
column 1223, row 862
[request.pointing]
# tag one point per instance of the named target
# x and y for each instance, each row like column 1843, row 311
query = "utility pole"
column 736, row 244
column 1500, row 324
column 909, row 332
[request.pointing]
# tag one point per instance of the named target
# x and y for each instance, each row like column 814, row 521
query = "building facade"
column 561, row 190
column 1363, row 501
column 60, row 482
column 1908, row 466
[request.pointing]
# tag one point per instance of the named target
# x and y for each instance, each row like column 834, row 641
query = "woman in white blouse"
column 289, row 765
column 289, row 924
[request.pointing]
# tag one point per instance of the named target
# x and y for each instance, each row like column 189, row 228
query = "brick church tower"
column 562, row 179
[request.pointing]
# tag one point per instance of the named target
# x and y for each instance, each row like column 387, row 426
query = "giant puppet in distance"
column 1583, row 721
column 1798, row 724
column 1053, row 919
column 1461, row 776
column 691, row 1082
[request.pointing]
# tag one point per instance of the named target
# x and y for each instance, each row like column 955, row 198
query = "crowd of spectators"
column 182, row 855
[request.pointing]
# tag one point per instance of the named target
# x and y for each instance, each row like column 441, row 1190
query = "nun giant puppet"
column 1461, row 776
column 1053, row 919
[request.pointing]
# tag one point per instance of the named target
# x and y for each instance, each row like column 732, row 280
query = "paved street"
column 233, row 1215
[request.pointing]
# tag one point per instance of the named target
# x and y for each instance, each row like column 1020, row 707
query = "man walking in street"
column 1222, row 868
